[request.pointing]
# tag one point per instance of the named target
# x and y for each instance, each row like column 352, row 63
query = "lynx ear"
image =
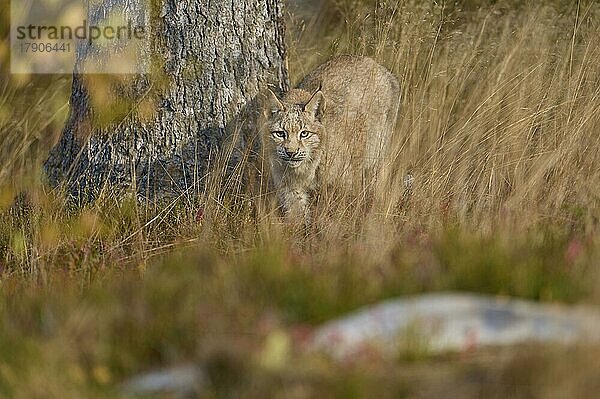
column 274, row 104
column 316, row 105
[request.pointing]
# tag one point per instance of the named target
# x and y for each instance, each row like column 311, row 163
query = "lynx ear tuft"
column 274, row 104
column 316, row 105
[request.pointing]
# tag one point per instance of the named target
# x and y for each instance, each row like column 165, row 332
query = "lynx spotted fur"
column 336, row 123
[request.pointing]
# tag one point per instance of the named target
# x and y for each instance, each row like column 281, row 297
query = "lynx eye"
column 279, row 134
column 305, row 134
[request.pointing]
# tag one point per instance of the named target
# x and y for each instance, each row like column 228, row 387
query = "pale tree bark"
column 158, row 132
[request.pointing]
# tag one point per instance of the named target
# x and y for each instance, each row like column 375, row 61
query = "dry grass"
column 499, row 128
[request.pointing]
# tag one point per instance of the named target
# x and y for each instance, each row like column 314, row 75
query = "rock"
column 434, row 323
column 186, row 381
column 454, row 322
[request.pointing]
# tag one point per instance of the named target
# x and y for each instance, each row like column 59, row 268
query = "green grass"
column 498, row 126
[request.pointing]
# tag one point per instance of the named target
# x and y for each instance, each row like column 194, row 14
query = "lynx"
column 336, row 123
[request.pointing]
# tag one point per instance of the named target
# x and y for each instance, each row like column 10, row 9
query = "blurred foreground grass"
column 499, row 127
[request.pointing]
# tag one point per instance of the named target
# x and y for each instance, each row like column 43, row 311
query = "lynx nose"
column 290, row 153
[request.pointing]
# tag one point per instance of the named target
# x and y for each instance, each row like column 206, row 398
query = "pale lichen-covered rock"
column 454, row 322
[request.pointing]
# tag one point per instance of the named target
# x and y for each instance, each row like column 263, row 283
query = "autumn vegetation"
column 492, row 186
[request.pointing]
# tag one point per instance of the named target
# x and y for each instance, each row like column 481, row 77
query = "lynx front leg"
column 295, row 205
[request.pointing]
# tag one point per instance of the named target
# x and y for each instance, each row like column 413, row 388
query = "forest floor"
column 500, row 129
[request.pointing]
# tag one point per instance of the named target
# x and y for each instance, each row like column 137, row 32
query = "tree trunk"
column 158, row 132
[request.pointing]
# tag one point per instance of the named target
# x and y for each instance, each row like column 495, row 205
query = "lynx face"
column 294, row 130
